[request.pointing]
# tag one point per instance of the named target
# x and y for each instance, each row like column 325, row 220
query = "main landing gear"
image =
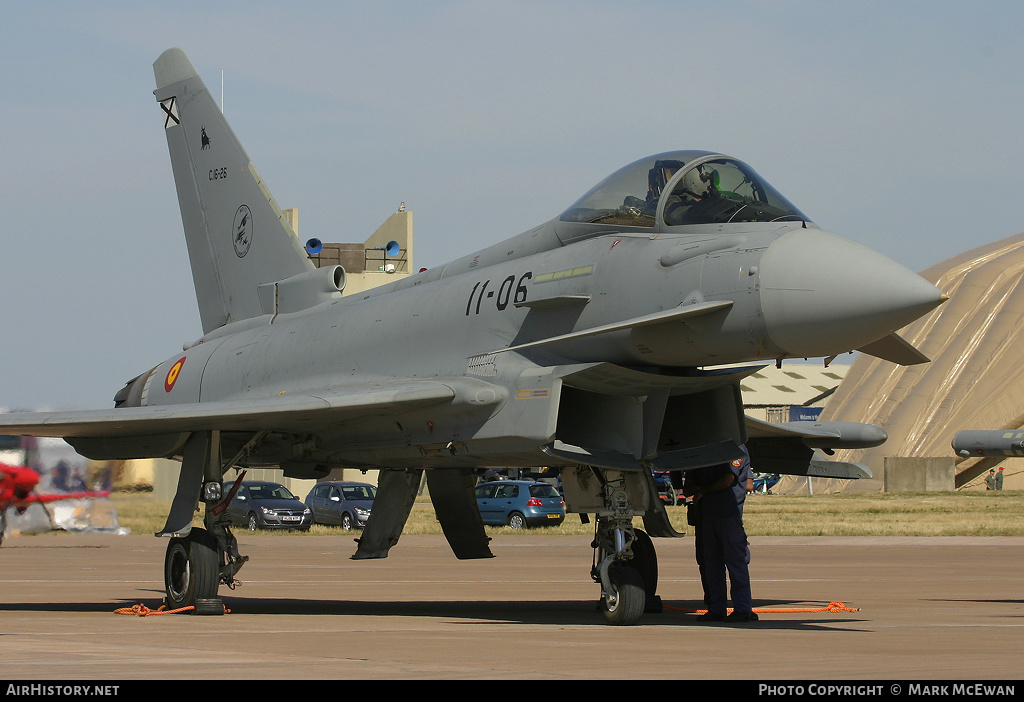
column 198, row 560
column 196, row 564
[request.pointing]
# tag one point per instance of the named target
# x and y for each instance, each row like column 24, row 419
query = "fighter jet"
column 604, row 343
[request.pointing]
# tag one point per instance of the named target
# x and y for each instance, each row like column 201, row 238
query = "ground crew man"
column 719, row 492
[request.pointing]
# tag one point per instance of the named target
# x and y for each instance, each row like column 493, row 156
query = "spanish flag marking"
column 172, row 375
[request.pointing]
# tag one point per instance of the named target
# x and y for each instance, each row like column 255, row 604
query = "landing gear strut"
column 198, row 560
column 625, row 563
column 196, row 564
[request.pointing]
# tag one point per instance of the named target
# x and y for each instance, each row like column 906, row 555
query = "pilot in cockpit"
column 695, row 195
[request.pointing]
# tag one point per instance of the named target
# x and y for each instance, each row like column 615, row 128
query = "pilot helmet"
column 697, row 182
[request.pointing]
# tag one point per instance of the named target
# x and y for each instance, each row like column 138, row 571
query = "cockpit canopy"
column 682, row 188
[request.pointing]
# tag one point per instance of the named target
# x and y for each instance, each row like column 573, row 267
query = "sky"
column 896, row 125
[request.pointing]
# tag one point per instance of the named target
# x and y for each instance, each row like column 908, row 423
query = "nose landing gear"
column 625, row 563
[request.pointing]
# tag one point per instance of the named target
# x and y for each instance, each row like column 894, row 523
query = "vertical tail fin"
column 236, row 235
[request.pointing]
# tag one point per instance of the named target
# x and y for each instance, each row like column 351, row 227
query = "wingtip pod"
column 976, row 443
column 837, row 435
column 847, row 435
column 172, row 66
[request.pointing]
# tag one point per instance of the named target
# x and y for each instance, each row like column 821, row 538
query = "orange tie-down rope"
column 142, row 610
column 830, row 607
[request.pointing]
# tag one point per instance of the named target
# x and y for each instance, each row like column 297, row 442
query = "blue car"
column 666, row 492
column 764, row 482
column 520, row 504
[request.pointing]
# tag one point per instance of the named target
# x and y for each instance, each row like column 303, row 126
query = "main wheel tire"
column 625, row 605
column 346, row 521
column 253, row 522
column 191, row 569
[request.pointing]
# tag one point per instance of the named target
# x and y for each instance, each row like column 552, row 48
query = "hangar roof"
column 793, row 384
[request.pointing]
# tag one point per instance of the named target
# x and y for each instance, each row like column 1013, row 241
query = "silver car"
column 345, row 504
column 260, row 504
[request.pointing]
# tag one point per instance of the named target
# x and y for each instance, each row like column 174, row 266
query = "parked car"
column 264, row 505
column 520, row 503
column 666, row 492
column 764, row 482
column 346, row 504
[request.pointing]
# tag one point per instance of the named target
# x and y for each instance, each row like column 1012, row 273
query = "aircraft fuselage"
column 459, row 326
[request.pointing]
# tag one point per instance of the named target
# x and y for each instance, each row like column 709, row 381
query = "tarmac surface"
column 941, row 608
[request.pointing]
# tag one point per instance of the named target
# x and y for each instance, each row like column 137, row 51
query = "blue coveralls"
column 723, row 541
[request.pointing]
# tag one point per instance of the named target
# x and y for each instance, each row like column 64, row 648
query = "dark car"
column 346, row 504
column 265, row 505
column 520, row 503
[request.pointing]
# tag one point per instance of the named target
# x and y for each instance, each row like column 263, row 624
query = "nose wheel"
column 622, row 599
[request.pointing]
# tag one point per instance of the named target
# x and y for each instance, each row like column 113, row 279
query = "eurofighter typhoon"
column 606, row 343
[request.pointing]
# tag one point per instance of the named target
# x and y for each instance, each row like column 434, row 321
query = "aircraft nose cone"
column 822, row 294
